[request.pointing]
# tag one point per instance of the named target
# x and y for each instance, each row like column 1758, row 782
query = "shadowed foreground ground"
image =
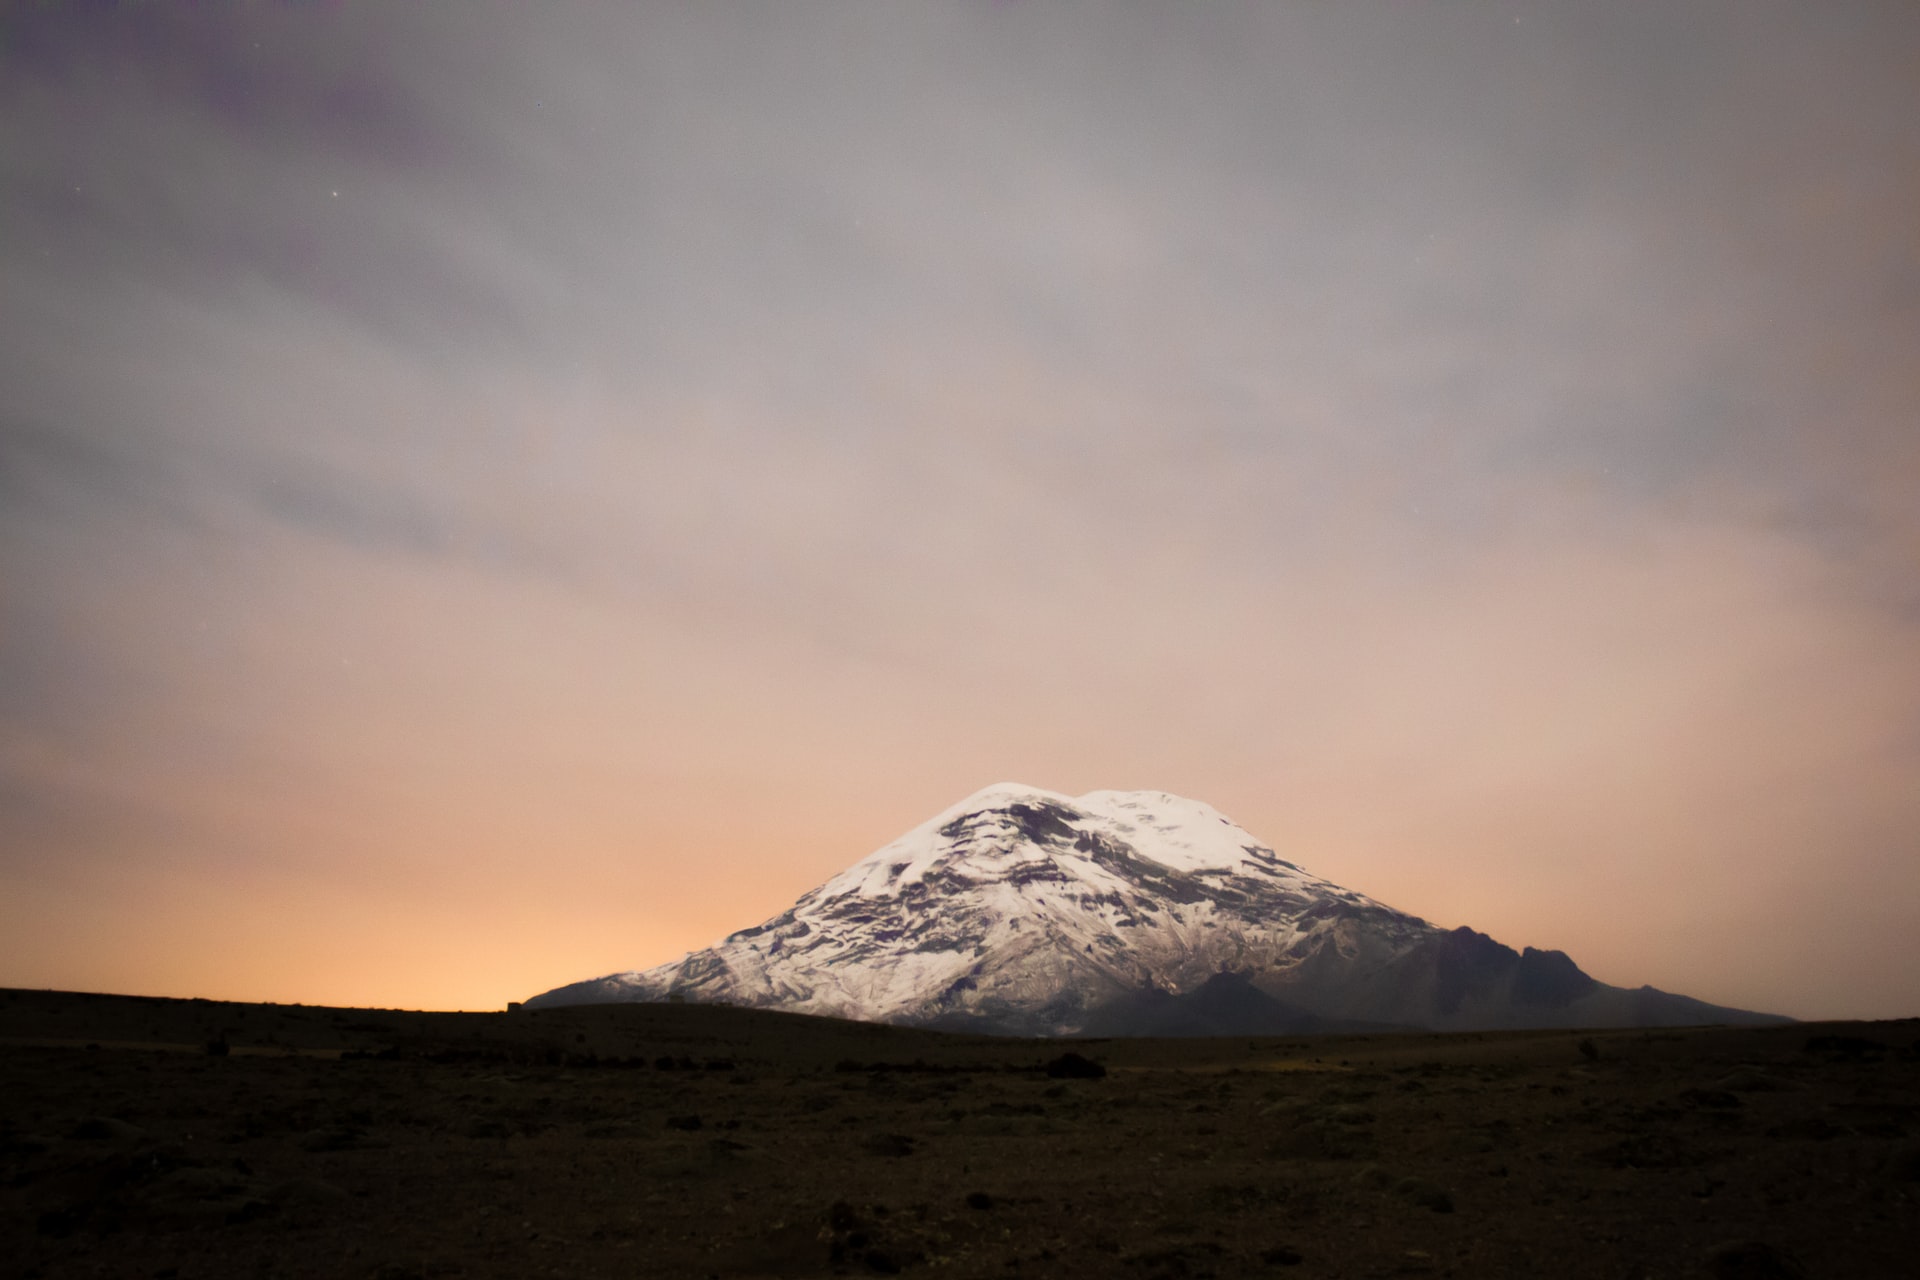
column 159, row 1138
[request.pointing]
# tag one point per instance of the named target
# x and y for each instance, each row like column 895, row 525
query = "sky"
column 494, row 494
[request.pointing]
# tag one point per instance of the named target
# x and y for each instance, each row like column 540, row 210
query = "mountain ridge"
column 1025, row 911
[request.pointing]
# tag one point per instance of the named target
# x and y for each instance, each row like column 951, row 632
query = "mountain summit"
column 1022, row 911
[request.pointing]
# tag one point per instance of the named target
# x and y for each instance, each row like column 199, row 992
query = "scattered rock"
column 1906, row 1165
column 1415, row 1191
column 1753, row 1260
column 307, row 1191
column 1072, row 1066
column 1319, row 1135
column 888, row 1144
column 1807, row 1128
column 107, row 1129
column 198, row 1195
column 1238, row 1198
column 62, row 1222
column 1844, row 1046
column 860, row 1239
column 1658, row 1150
column 1712, row 1099
column 785, row 1249
column 1750, row 1080
column 339, row 1138
column 1197, row 1260
column 25, row 1144
column 1426, row 1194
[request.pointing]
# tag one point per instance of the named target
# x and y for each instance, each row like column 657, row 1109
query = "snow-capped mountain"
column 1121, row 912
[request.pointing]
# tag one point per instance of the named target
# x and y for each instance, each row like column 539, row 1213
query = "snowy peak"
column 1028, row 907
column 1008, row 824
column 1185, row 835
column 1026, row 911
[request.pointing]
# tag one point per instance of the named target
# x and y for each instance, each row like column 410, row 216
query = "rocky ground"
column 151, row 1138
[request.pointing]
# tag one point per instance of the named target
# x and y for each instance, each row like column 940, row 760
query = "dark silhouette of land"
column 153, row 1138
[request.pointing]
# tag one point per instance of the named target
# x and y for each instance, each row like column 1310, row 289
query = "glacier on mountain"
column 1024, row 911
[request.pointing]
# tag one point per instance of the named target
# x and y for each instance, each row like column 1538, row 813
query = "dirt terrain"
column 166, row 1138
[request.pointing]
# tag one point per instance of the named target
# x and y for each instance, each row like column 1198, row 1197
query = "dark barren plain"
column 157, row 1138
